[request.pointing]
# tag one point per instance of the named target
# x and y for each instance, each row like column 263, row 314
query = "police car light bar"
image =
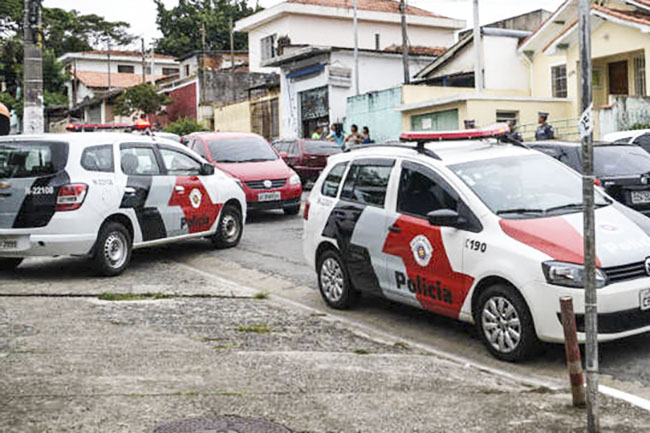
column 498, row 130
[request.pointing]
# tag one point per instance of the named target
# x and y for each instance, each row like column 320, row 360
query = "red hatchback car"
column 267, row 180
column 307, row 157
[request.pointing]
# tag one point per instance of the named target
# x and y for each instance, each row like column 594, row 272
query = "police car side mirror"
column 446, row 218
column 206, row 169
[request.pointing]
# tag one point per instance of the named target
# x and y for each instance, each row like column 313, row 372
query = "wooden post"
column 573, row 361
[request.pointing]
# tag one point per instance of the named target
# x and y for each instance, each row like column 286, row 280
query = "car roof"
column 551, row 143
column 625, row 134
column 225, row 135
column 449, row 152
column 93, row 138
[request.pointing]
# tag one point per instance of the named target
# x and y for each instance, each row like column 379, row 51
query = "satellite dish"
column 4, row 120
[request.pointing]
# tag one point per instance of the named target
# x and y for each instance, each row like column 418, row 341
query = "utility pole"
column 144, row 63
column 202, row 66
column 232, row 61
column 478, row 49
column 153, row 63
column 586, row 125
column 108, row 46
column 33, row 122
column 356, row 49
column 405, row 43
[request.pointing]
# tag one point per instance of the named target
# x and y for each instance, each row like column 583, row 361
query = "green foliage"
column 117, row 297
column 181, row 25
column 11, row 103
column 184, row 126
column 640, row 125
column 142, row 98
column 53, row 99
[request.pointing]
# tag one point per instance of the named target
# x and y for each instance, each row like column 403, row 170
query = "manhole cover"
column 225, row 424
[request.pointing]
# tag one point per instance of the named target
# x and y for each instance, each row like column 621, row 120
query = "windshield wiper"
column 564, row 207
column 519, row 211
column 255, row 160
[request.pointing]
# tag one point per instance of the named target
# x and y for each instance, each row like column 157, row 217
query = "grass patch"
column 257, row 329
column 225, row 347
column 401, row 345
column 261, row 295
column 317, row 315
column 362, row 352
column 110, row 296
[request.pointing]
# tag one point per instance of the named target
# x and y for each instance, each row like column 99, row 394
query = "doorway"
column 618, row 78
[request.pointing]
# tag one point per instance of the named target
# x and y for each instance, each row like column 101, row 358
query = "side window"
column 421, row 191
column 333, row 180
column 178, row 163
column 367, row 183
column 139, row 161
column 98, row 158
column 292, row 149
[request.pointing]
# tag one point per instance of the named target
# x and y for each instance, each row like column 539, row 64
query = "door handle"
column 394, row 229
column 180, row 189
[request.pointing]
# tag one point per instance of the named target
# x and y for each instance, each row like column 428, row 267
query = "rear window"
column 248, row 149
column 321, row 148
column 620, row 161
column 32, row 158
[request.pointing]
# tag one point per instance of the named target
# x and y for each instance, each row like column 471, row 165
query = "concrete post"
column 33, row 122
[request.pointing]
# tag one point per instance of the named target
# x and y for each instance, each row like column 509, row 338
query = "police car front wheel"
column 505, row 324
column 229, row 230
column 9, row 264
column 113, row 249
column 334, row 281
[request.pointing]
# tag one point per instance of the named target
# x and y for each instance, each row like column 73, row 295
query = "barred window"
column 268, row 47
column 639, row 76
column 558, row 80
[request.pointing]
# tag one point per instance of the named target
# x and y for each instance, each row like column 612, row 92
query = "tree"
column 141, row 98
column 184, row 126
column 181, row 25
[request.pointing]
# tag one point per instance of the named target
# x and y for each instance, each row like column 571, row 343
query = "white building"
column 315, row 82
column 94, row 72
column 330, row 22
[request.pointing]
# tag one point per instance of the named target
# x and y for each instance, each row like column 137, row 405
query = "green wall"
column 376, row 110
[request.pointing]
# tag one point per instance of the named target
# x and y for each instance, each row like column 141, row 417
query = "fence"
column 566, row 129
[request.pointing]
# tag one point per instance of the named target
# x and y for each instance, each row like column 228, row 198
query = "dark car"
column 623, row 170
column 307, row 157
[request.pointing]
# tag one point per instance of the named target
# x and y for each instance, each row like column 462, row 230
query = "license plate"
column 269, row 196
column 640, row 197
column 8, row 244
column 645, row 299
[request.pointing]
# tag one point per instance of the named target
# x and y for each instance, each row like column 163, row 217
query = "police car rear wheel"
column 229, row 230
column 9, row 264
column 505, row 324
column 334, row 282
column 113, row 251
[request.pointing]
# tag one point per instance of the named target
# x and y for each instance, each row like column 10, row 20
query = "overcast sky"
column 141, row 14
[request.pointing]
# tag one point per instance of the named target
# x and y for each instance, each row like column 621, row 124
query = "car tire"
column 229, row 229
column 293, row 210
column 112, row 252
column 10, row 263
column 501, row 316
column 334, row 281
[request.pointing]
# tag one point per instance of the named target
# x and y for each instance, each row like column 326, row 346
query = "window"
column 639, row 76
column 333, row 180
column 440, row 121
column 558, row 81
column 98, row 158
column 139, row 161
column 377, row 41
column 169, row 71
column 179, row 164
column 293, row 149
column 367, row 184
column 127, row 69
column 421, row 191
column 268, row 47
column 32, row 158
column 597, row 78
column 507, row 116
column 281, row 146
column 187, row 70
column 147, row 70
column 197, row 146
column 642, row 140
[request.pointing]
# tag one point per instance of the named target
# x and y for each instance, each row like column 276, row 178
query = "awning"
column 310, row 70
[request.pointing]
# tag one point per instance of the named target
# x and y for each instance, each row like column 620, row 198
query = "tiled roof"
column 418, row 50
column 632, row 16
column 124, row 53
column 389, row 6
column 119, row 80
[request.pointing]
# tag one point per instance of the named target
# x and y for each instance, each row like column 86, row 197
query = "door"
column 425, row 262
column 146, row 190
column 193, row 206
column 358, row 218
column 618, row 79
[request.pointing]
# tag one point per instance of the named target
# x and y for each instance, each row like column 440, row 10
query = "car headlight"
column 294, row 180
column 570, row 275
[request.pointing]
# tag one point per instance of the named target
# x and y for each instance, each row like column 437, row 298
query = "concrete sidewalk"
column 81, row 364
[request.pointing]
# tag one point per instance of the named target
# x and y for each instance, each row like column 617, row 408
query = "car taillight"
column 71, row 197
column 305, row 214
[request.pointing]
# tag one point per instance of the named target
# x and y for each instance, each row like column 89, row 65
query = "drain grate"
column 224, row 424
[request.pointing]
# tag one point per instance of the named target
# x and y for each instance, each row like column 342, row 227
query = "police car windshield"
column 620, row 161
column 31, row 159
column 533, row 186
column 247, row 149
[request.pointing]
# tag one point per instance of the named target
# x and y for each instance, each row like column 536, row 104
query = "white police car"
column 479, row 230
column 102, row 194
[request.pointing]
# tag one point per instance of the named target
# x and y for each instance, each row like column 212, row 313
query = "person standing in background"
column 366, row 136
column 317, row 133
column 354, row 137
column 513, row 133
column 544, row 130
column 337, row 135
